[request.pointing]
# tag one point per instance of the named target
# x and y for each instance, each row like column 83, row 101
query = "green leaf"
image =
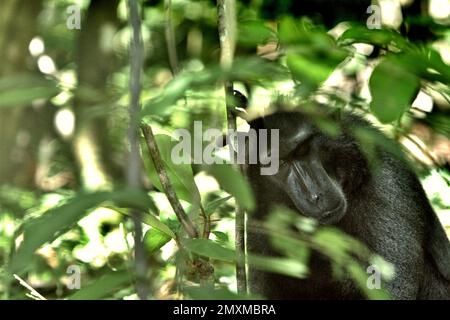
column 313, row 65
column 307, row 71
column 393, row 88
column 312, row 54
column 150, row 220
column 378, row 37
column 133, row 199
column 439, row 121
column 158, row 224
column 56, row 221
column 222, row 237
column 289, row 31
column 252, row 70
column 234, row 183
column 254, row 32
column 155, row 240
column 23, row 89
column 359, row 276
column 210, row 249
column 180, row 175
column 284, row 266
column 216, row 204
column 103, row 287
column 433, row 60
column 177, row 88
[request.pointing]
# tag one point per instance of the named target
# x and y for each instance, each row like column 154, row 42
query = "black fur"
column 386, row 208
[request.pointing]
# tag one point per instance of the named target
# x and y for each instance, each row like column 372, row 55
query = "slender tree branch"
column 423, row 149
column 166, row 184
column 226, row 16
column 134, row 164
column 170, row 37
column 206, row 222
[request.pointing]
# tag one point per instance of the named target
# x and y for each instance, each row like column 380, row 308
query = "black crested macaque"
column 330, row 179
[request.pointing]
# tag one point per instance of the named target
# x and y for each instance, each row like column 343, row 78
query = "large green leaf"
column 285, row 266
column 254, row 32
column 234, row 183
column 307, row 71
column 180, row 175
column 212, row 207
column 393, row 88
column 312, row 54
column 155, row 240
column 289, row 31
column 359, row 276
column 379, row 37
column 24, row 89
column 210, row 249
column 56, row 221
column 150, row 220
column 103, row 287
column 440, row 71
column 176, row 89
column 424, row 62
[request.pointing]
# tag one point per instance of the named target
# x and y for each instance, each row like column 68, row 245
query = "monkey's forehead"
column 293, row 129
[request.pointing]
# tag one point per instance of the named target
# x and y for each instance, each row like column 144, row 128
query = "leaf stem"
column 226, row 16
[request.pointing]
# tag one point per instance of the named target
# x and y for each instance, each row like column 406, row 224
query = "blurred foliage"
column 294, row 51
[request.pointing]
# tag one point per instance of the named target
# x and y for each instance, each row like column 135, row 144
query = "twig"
column 134, row 164
column 206, row 222
column 33, row 293
column 424, row 150
column 226, row 16
column 170, row 37
column 166, row 184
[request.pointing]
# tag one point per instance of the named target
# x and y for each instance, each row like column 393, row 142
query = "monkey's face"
column 313, row 190
column 313, row 186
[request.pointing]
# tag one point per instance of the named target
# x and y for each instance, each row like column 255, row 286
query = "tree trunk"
column 95, row 62
column 17, row 28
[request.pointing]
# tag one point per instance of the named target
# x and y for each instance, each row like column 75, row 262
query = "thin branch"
column 170, row 37
column 206, row 222
column 134, row 164
column 226, row 16
column 423, row 149
column 166, row 184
